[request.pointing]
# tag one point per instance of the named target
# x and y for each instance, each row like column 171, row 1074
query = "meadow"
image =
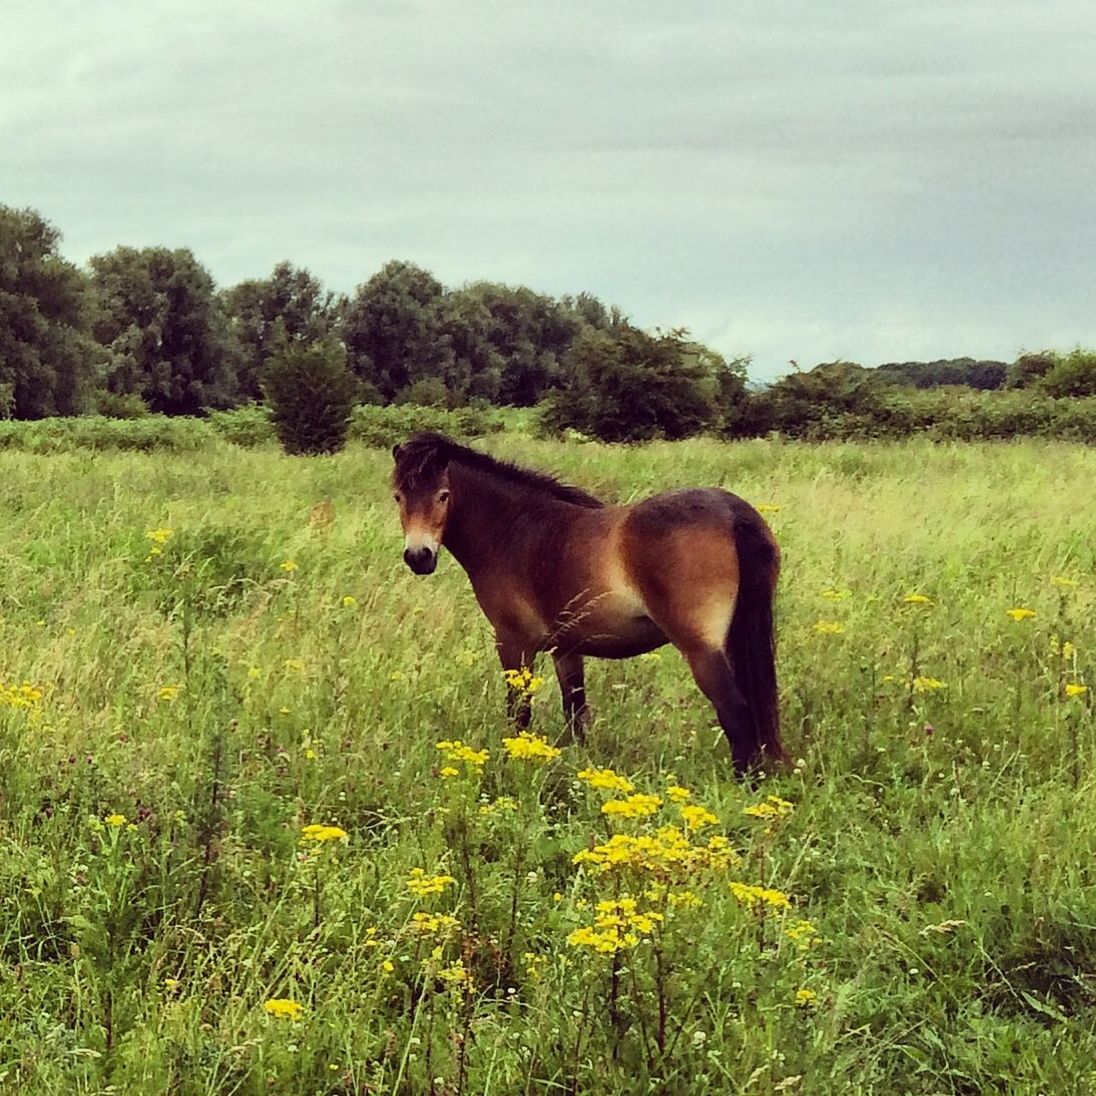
column 265, row 827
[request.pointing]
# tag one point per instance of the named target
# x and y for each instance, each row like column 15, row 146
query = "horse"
column 556, row 569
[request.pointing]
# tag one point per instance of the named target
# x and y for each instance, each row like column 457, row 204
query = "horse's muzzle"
column 421, row 560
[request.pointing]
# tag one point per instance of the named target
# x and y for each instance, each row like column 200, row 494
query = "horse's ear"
column 396, row 451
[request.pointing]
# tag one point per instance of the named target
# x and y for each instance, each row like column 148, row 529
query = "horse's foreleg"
column 712, row 672
column 572, row 684
column 515, row 656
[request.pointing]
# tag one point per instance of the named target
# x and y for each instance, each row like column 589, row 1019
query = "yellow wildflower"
column 801, row 933
column 927, row 684
column 349, row 601
column 635, row 806
column 458, row 753
column 288, row 565
column 767, row 508
column 1021, row 614
column 619, row 924
column 115, row 820
column 1073, row 689
column 447, row 771
column 455, row 974
column 772, row 807
column 319, row 834
column 1062, row 647
column 530, row 747
column 836, row 595
column 697, row 817
column 284, row 1008
column 502, row 803
column 606, row 780
column 752, row 896
column 421, row 885
column 434, row 924
column 805, row 998
column 20, row 696
column 168, row 692
column 829, row 627
column 675, row 793
column 523, row 680
column 917, row 599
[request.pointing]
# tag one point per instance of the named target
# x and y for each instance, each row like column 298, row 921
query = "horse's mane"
column 424, row 453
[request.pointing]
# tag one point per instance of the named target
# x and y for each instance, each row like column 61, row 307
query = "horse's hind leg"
column 572, row 684
column 712, row 672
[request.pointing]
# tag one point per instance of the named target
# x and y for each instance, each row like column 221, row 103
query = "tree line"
column 144, row 330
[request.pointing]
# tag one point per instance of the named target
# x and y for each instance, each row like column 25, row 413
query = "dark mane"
column 426, row 452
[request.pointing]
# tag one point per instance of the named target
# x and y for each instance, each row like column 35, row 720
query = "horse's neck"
column 487, row 516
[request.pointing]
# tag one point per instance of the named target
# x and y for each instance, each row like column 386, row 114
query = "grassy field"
column 203, row 656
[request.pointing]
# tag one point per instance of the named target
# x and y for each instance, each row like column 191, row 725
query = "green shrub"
column 624, row 385
column 311, row 393
column 156, row 433
column 383, row 427
column 247, row 426
column 121, row 405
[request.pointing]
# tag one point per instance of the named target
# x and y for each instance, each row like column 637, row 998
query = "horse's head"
column 421, row 484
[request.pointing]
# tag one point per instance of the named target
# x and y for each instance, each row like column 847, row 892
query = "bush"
column 247, row 426
column 1072, row 375
column 383, row 427
column 624, row 385
column 120, row 405
column 311, row 393
column 156, row 433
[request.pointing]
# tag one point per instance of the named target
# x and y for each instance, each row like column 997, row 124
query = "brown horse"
column 555, row 569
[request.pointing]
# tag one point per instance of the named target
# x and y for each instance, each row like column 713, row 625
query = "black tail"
column 751, row 641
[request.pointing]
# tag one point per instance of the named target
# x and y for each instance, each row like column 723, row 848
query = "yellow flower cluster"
column 288, row 566
column 751, row 896
column 284, row 1008
column 675, row 793
column 524, row 681
column 1062, row 647
column 19, row 696
column 917, row 599
column 697, row 817
column 1073, row 689
column 421, row 885
column 606, row 780
column 455, row 974
column 457, row 753
column 805, row 998
column 433, row 924
column 117, row 821
column 318, row 834
column 530, row 747
column 772, row 807
column 1021, row 614
column 927, row 684
column 802, row 933
column 668, row 853
column 167, row 693
column 158, row 537
column 635, row 806
column 619, row 924
column 504, row 803
column 829, row 627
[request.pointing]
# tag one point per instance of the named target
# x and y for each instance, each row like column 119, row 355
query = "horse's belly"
column 612, row 625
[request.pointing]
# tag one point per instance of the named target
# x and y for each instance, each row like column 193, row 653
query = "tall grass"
column 224, row 649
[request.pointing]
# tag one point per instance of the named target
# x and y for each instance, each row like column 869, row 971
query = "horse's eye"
column 396, row 496
column 443, row 496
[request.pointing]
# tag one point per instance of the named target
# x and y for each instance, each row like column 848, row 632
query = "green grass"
column 941, row 843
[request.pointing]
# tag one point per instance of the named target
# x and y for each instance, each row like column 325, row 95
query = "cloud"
column 869, row 180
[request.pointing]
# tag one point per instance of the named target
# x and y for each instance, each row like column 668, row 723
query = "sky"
column 867, row 180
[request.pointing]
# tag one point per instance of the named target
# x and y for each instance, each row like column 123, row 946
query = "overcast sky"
column 859, row 179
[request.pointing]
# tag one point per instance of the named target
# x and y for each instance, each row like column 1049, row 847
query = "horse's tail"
column 751, row 639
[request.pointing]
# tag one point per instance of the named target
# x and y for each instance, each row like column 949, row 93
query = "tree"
column 394, row 329
column 163, row 329
column 292, row 298
column 1029, row 369
column 47, row 360
column 625, row 385
column 1073, row 374
column 311, row 393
